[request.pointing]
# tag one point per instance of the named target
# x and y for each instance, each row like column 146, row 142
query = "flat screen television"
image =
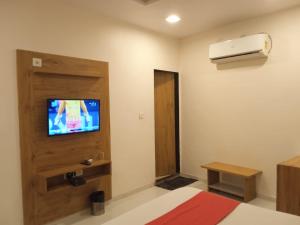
column 69, row 116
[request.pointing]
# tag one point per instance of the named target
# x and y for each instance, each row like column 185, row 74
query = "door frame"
column 177, row 116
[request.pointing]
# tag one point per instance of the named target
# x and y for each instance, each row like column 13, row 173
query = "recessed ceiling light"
column 173, row 19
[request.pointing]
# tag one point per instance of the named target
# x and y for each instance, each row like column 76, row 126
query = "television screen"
column 73, row 116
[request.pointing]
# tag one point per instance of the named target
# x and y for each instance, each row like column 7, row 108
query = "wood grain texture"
column 288, row 186
column 56, row 64
column 76, row 167
column 165, row 142
column 294, row 162
column 232, row 169
column 215, row 169
column 59, row 77
column 249, row 188
column 213, row 177
column 28, row 169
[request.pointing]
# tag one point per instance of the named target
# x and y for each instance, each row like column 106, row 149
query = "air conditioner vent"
column 146, row 2
column 248, row 47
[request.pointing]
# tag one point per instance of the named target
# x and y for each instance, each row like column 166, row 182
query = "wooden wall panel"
column 65, row 78
column 74, row 199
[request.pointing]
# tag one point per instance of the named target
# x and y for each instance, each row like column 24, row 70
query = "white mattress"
column 244, row 214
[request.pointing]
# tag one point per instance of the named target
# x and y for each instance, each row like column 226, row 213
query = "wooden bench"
column 246, row 193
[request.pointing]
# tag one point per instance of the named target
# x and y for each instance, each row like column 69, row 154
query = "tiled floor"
column 118, row 207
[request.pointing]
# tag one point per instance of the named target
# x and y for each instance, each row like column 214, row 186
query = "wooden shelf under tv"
column 55, row 180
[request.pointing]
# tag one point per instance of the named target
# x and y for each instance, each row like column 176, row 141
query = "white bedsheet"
column 244, row 214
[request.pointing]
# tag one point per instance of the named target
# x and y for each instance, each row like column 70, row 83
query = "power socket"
column 37, row 62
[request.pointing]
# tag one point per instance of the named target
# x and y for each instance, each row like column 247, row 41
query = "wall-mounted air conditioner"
column 248, row 47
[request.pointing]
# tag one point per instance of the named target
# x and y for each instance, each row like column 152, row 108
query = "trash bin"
column 97, row 203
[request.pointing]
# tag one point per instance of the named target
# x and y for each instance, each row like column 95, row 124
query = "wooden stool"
column 247, row 193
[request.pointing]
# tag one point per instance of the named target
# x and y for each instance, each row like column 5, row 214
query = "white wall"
column 133, row 54
column 245, row 113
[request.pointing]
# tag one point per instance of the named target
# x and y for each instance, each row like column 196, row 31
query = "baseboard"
column 266, row 197
column 190, row 176
column 134, row 191
column 127, row 194
column 86, row 213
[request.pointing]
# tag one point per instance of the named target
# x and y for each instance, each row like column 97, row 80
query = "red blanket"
column 203, row 209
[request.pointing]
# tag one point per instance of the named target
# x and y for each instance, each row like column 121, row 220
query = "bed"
column 244, row 214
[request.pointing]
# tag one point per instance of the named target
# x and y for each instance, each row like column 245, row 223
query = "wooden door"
column 165, row 138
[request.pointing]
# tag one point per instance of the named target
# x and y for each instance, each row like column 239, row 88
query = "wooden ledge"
column 231, row 169
column 72, row 168
column 294, row 162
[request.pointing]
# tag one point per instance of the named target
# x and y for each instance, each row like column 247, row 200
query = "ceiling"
column 197, row 15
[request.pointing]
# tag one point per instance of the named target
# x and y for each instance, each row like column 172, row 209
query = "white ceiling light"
column 173, row 19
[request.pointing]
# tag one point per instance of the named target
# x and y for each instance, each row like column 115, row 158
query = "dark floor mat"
column 172, row 183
